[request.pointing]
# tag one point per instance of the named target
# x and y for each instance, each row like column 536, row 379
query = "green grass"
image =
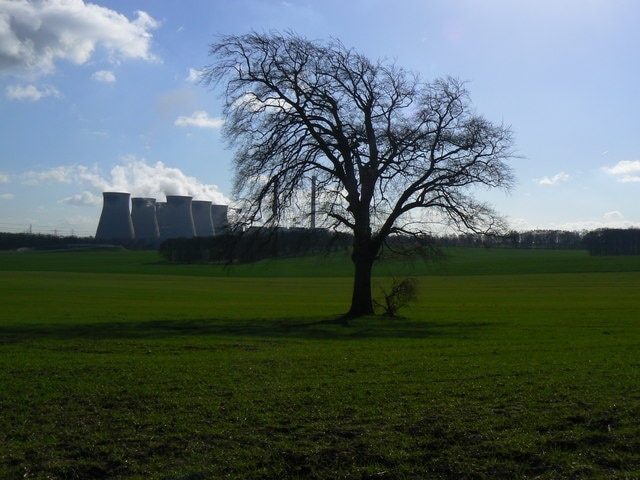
column 458, row 261
column 126, row 371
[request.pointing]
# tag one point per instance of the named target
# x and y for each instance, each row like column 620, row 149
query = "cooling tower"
column 202, row 218
column 219, row 217
column 115, row 219
column 143, row 216
column 176, row 218
column 161, row 214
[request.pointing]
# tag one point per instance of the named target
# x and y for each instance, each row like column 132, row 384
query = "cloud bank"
column 30, row 92
column 555, row 180
column 625, row 171
column 105, row 76
column 612, row 219
column 34, row 35
column 199, row 119
column 194, row 75
column 133, row 175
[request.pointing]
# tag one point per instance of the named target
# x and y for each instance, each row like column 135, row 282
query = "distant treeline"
column 613, row 242
column 261, row 244
column 254, row 245
column 15, row 241
column 39, row 241
column 546, row 239
column 258, row 244
column 604, row 241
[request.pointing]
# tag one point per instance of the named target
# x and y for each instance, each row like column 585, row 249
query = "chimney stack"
column 220, row 219
column 143, row 216
column 115, row 220
column 202, row 218
column 177, row 217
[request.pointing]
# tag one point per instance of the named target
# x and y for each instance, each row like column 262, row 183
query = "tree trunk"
column 361, row 300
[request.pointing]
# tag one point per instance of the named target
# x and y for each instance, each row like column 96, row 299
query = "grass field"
column 512, row 364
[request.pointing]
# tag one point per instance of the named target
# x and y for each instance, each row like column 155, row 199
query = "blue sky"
column 101, row 96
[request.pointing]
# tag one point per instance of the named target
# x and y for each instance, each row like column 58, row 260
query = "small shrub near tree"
column 401, row 293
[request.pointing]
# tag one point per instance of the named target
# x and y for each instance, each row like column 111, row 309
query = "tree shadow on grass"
column 306, row 328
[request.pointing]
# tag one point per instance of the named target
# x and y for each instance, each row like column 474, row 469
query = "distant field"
column 458, row 261
column 512, row 364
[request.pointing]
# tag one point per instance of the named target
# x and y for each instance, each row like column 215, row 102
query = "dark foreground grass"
column 174, row 377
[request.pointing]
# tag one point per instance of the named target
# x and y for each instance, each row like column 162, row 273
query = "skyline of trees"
column 299, row 241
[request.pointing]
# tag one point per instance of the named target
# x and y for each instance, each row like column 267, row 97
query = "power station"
column 219, row 218
column 143, row 216
column 149, row 220
column 202, row 221
column 177, row 218
column 115, row 220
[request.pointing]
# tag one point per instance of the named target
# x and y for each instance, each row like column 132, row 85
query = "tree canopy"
column 387, row 151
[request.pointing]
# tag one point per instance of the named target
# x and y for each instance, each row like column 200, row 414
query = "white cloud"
column 62, row 174
column 556, row 179
column 626, row 171
column 614, row 216
column 30, row 92
column 194, row 75
column 624, row 167
column 613, row 219
column 132, row 175
column 105, row 76
column 158, row 180
column 35, row 35
column 4, row 178
column 200, row 119
column 99, row 134
column 7, row 196
column 83, row 199
column 249, row 101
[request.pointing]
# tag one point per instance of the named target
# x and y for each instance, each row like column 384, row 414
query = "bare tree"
column 384, row 147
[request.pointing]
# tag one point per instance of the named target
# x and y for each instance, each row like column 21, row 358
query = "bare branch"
column 385, row 145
